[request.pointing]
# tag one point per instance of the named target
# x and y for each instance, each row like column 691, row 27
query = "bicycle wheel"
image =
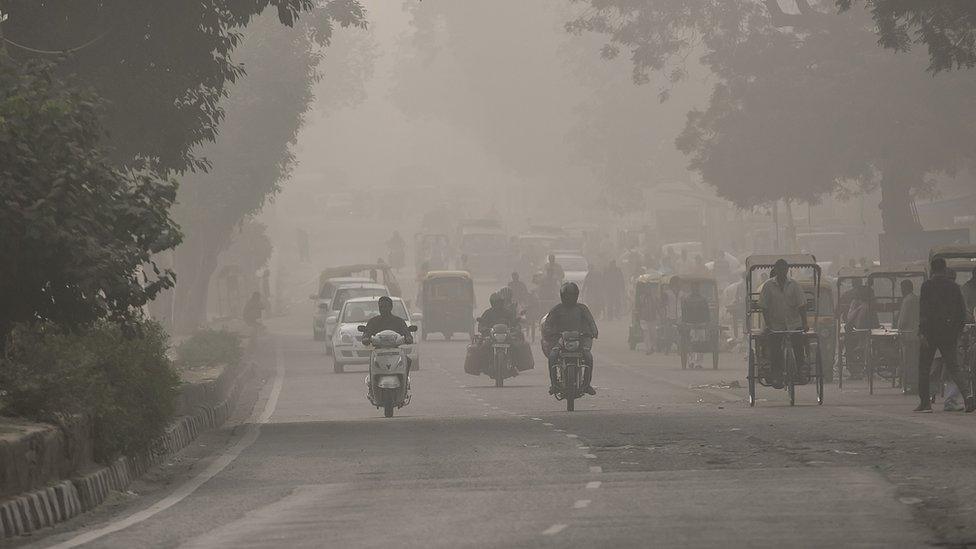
column 752, row 377
column 789, row 369
column 820, row 376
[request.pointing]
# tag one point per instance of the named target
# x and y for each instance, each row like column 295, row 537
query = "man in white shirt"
column 784, row 308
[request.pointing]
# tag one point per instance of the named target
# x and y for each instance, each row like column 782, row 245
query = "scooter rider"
column 386, row 320
column 569, row 316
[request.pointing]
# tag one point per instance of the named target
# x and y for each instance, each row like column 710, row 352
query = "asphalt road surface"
column 659, row 458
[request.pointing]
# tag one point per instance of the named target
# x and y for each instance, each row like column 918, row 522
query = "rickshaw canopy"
column 957, row 251
column 795, row 260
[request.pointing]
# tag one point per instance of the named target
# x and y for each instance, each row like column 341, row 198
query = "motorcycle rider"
column 569, row 316
column 386, row 320
column 498, row 313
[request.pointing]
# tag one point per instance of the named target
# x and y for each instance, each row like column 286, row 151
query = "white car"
column 347, row 342
column 343, row 293
column 323, row 302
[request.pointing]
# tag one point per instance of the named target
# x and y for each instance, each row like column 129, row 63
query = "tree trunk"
column 196, row 261
column 897, row 216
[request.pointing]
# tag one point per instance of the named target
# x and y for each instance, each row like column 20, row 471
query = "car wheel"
column 337, row 366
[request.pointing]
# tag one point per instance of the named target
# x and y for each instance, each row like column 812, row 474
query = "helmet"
column 569, row 293
column 496, row 300
column 385, row 304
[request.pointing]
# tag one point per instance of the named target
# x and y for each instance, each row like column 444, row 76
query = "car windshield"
column 572, row 263
column 345, row 294
column 362, row 311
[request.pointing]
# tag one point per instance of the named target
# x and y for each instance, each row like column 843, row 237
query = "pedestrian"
column 942, row 315
column 614, row 288
column 908, row 333
column 594, row 291
column 252, row 310
column 695, row 316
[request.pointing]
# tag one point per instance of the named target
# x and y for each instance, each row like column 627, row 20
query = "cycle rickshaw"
column 961, row 259
column 647, row 295
column 701, row 338
column 886, row 344
column 796, row 370
column 849, row 345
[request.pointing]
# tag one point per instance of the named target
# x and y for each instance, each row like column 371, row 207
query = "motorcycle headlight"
column 500, row 338
column 572, row 345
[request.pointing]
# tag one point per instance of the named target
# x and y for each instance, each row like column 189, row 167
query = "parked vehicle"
column 884, row 349
column 343, row 293
column 647, row 290
column 696, row 337
column 447, row 300
column 388, row 381
column 347, row 345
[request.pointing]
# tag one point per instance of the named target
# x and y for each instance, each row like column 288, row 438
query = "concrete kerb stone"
column 50, row 505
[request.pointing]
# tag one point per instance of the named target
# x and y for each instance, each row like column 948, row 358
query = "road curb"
column 54, row 504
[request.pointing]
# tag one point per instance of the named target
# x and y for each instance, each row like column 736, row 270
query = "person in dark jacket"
column 498, row 313
column 386, row 320
column 942, row 315
column 569, row 316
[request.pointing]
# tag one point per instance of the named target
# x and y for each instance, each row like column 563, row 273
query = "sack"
column 522, row 356
column 476, row 359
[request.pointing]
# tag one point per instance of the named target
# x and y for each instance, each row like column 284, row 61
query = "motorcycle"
column 388, row 381
column 501, row 363
column 570, row 369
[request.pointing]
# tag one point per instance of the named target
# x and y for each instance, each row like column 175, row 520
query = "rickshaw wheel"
column 820, row 377
column 752, row 378
column 789, row 361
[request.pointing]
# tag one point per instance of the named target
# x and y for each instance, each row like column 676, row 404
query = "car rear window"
column 345, row 294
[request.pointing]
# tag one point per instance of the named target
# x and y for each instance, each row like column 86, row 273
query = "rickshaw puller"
column 784, row 309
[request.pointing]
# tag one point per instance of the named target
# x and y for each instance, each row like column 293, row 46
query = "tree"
column 162, row 67
column 253, row 153
column 805, row 100
column 946, row 27
column 75, row 229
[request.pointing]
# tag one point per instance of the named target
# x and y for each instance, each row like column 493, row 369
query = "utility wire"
column 56, row 52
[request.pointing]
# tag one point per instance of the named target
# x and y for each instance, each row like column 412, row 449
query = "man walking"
column 942, row 314
column 908, row 332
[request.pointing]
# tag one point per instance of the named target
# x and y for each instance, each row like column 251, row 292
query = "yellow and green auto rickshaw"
column 447, row 301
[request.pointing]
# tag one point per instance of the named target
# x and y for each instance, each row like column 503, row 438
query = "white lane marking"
column 554, row 529
column 582, row 447
column 581, row 504
column 548, row 424
column 216, row 466
column 593, row 484
column 596, row 469
column 572, row 436
column 589, row 456
column 536, row 418
column 559, row 430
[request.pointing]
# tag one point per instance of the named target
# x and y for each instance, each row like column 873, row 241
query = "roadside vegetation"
column 119, row 379
column 207, row 348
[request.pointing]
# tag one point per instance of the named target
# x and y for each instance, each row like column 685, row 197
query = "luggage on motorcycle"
column 522, row 356
column 476, row 359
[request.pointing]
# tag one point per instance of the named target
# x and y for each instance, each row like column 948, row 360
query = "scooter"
column 388, row 382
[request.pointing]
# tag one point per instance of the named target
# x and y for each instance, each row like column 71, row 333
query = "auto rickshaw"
column 796, row 370
column 447, row 301
column 647, row 296
column 962, row 260
column 701, row 338
column 885, row 353
column 854, row 358
column 667, row 326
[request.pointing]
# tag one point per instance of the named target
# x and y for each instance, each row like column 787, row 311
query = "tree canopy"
column 805, row 100
column 946, row 27
column 75, row 229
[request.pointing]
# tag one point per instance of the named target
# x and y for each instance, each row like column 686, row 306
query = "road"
column 660, row 457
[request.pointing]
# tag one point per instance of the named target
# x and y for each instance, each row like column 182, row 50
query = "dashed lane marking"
column 589, row 456
column 548, row 424
column 536, row 418
column 593, row 484
column 570, row 435
column 554, row 529
column 596, row 469
column 581, row 504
